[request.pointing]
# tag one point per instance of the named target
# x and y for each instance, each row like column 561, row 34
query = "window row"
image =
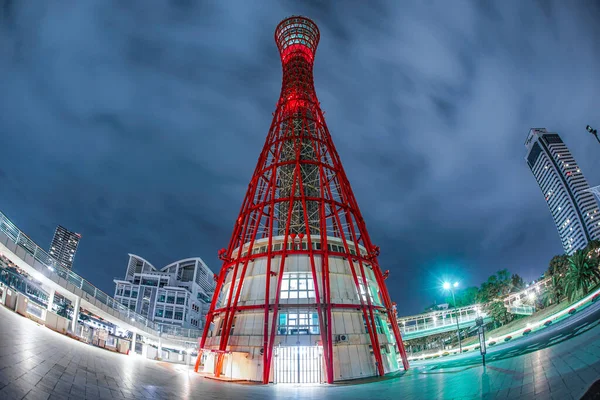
column 170, row 314
column 129, row 304
column 301, row 286
column 171, row 298
column 126, row 291
column 298, row 324
column 301, row 246
column 297, row 286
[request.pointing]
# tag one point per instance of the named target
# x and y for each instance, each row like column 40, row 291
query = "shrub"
column 527, row 331
column 477, row 347
column 491, row 343
column 572, row 311
column 444, row 354
column 506, row 339
column 547, row 323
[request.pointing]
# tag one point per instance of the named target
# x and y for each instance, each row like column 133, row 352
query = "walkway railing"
column 521, row 310
column 439, row 321
column 54, row 269
column 530, row 293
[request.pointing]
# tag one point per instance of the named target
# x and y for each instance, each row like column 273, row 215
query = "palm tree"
column 582, row 272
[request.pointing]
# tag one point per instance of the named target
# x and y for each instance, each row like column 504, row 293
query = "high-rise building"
column 300, row 297
column 177, row 295
column 64, row 246
column 573, row 207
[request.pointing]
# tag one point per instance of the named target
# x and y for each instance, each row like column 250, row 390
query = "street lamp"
column 593, row 132
column 448, row 286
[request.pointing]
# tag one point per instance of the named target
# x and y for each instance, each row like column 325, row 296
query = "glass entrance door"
column 298, row 364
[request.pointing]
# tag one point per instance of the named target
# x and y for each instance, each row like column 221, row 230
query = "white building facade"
column 176, row 295
column 573, row 207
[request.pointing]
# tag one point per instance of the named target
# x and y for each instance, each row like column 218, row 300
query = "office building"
column 64, row 246
column 573, row 207
column 176, row 295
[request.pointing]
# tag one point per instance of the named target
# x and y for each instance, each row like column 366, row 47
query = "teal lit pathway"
column 36, row 363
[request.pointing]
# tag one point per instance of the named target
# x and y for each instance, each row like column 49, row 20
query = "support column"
column 51, row 300
column 76, row 308
column 132, row 351
column 159, row 346
column 4, row 288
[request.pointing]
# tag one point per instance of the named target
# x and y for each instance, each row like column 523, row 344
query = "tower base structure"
column 298, row 354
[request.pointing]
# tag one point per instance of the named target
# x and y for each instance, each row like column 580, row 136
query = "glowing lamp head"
column 446, row 285
column 455, row 284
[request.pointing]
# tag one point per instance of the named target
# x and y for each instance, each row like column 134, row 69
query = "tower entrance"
column 298, row 364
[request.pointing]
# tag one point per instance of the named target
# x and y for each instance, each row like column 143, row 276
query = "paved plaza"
column 36, row 363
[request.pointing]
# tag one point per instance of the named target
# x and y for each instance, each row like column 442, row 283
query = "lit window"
column 298, row 323
column 363, row 291
column 297, row 286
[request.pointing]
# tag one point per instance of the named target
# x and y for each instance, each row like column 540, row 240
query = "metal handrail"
column 57, row 270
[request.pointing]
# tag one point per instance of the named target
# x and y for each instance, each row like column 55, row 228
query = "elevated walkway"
column 521, row 303
column 31, row 258
column 440, row 321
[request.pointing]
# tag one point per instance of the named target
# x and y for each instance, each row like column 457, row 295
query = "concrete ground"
column 36, row 363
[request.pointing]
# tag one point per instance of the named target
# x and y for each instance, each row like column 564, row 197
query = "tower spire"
column 300, row 256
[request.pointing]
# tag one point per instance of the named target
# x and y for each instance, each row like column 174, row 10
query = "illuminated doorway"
column 298, row 364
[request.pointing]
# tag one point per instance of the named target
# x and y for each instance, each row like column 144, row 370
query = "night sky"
column 139, row 123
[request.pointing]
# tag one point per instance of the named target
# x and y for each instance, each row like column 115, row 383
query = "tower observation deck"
column 300, row 296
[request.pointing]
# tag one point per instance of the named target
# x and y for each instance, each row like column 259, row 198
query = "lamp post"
column 593, row 132
column 448, row 286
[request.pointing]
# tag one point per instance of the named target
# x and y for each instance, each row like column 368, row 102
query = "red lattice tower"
column 299, row 195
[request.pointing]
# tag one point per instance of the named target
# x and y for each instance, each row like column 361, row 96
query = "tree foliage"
column 517, row 283
column 558, row 265
column 464, row 297
column 496, row 286
column 498, row 312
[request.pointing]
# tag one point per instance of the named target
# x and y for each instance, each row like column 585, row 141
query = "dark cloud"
column 139, row 125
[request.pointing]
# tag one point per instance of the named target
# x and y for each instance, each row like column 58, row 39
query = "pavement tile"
column 45, row 365
column 37, row 394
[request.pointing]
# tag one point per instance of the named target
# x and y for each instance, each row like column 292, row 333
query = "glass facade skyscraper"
column 573, row 207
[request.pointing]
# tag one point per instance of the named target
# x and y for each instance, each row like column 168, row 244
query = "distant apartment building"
column 178, row 294
column 573, row 207
column 64, row 246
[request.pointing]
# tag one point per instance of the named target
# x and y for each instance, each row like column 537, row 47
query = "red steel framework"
column 299, row 190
